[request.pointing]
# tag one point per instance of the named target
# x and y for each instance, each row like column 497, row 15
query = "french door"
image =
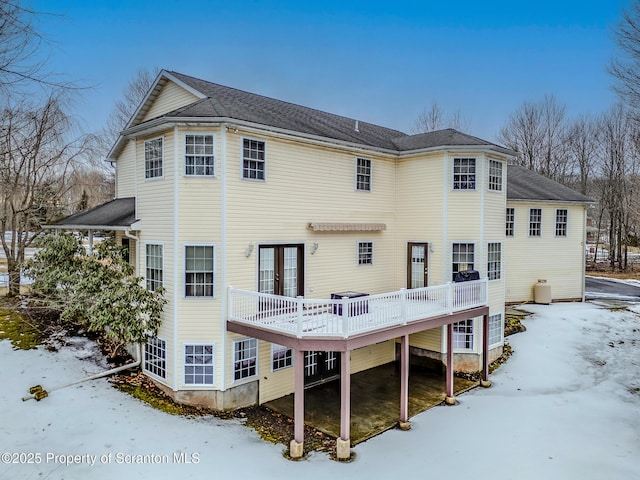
column 417, row 265
column 281, row 270
column 320, row 366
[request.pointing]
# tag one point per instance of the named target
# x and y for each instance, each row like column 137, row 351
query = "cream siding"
column 126, row 171
column 559, row 260
column 172, row 96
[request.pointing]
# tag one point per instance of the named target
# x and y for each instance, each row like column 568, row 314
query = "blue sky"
column 381, row 62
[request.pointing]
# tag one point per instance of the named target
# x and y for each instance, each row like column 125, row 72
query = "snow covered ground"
column 565, row 406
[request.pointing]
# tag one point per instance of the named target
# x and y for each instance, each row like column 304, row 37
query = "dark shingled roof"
column 117, row 214
column 523, row 184
column 230, row 103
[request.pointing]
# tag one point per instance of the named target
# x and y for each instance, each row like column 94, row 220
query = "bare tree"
column 36, row 160
column 583, row 142
column 625, row 68
column 434, row 118
column 536, row 130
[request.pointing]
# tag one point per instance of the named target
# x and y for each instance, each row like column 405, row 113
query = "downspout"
column 39, row 393
column 223, row 254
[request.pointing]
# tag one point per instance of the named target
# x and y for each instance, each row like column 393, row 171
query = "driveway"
column 599, row 288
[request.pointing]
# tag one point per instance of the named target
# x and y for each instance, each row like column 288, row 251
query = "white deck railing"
column 305, row 317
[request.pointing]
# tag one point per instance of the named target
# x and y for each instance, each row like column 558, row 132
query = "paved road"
column 608, row 289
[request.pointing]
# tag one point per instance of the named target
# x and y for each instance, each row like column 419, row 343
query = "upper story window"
column 510, row 225
column 198, row 272
column 535, row 222
column 198, row 155
column 494, row 261
column 561, row 222
column 153, row 158
column 464, row 173
column 363, row 174
column 365, row 253
column 253, row 159
column 462, row 257
column 154, row 270
column 495, row 175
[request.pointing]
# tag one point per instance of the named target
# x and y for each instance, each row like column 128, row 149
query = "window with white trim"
column 535, row 222
column 281, row 357
column 462, row 257
column 363, row 174
column 155, row 357
column 153, row 158
column 561, row 222
column 198, row 364
column 154, row 267
column 253, row 159
column 463, row 335
column 494, row 261
column 198, row 155
column 464, row 173
column 365, row 253
column 496, row 329
column 495, row 176
column 198, row 271
column 510, row 221
column 245, row 358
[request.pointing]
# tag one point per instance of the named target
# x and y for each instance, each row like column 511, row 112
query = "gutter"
column 39, row 393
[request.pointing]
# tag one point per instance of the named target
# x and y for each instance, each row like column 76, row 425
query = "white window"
column 198, row 155
column 245, row 357
column 198, row 272
column 464, row 173
column 281, row 357
column 363, row 174
column 494, row 261
column 253, row 159
column 535, row 222
column 561, row 222
column 463, row 335
column 154, row 270
column 365, row 253
column 462, row 258
column 511, row 218
column 495, row 176
column 155, row 357
column 153, row 158
column 198, row 364
column 496, row 329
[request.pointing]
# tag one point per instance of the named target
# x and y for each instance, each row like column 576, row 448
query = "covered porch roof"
column 118, row 214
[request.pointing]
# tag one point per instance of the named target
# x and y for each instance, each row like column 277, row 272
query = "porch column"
column 296, row 447
column 450, row 398
column 404, row 383
column 484, row 379
column 343, row 444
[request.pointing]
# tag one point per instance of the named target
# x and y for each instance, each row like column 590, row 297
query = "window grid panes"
column 198, row 155
column 290, row 287
column 365, row 253
column 511, row 216
column 199, row 271
column 363, row 174
column 464, row 173
column 495, row 175
column 281, row 357
column 245, row 355
column 496, row 329
column 153, row 158
column 494, row 255
column 561, row 222
column 154, row 271
column 535, row 222
column 155, row 357
column 463, row 335
column 253, row 165
column 463, row 257
column 198, row 364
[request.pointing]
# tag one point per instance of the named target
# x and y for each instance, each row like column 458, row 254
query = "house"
column 296, row 246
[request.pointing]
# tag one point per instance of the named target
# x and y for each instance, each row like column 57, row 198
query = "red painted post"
column 345, row 396
column 298, row 396
column 485, row 351
column 404, row 379
column 450, row 397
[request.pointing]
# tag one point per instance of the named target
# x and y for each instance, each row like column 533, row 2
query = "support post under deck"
column 450, row 398
column 484, row 379
column 343, row 444
column 296, row 447
column 404, row 383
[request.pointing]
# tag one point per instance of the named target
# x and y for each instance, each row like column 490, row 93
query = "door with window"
column 417, row 265
column 320, row 366
column 281, row 270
